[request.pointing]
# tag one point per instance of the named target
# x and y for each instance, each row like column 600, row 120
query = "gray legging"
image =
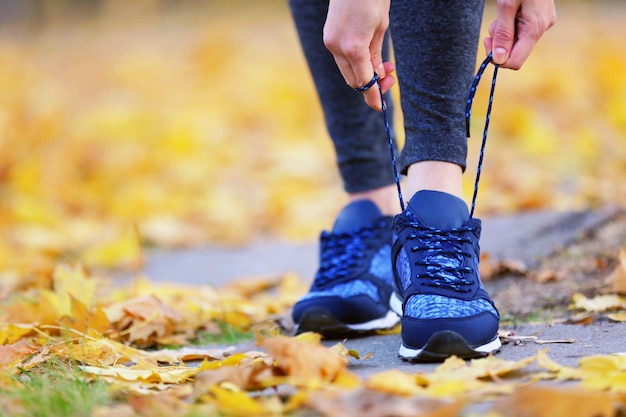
column 434, row 44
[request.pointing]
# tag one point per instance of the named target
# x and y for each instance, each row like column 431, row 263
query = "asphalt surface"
column 528, row 237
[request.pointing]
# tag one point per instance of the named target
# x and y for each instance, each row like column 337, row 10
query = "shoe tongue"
column 440, row 210
column 356, row 215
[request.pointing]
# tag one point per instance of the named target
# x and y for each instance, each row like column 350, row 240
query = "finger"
column 528, row 32
column 389, row 68
column 372, row 98
column 357, row 73
column 520, row 52
column 488, row 42
column 387, row 82
column 376, row 52
column 503, row 35
column 363, row 74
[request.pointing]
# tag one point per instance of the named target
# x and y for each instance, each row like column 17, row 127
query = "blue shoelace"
column 341, row 253
column 443, row 250
column 442, row 258
column 468, row 113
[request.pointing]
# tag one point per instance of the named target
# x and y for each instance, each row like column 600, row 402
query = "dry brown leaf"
column 370, row 403
column 14, row 353
column 547, row 275
column 490, row 268
column 249, row 377
column 144, row 320
column 100, row 351
column 186, row 354
column 551, row 402
column 617, row 279
column 303, row 359
column 157, row 375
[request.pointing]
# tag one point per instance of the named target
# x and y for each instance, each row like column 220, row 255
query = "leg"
column 351, row 290
column 358, row 133
column 445, row 311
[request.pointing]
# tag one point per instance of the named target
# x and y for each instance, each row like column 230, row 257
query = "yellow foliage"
column 128, row 134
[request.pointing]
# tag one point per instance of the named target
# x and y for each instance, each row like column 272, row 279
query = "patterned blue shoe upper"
column 354, row 279
column 437, row 268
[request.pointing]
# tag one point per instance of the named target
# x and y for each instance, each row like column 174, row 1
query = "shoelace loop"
column 468, row 113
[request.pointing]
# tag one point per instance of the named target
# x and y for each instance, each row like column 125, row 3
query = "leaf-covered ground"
column 142, row 126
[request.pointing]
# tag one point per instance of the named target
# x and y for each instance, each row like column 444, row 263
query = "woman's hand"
column 517, row 28
column 354, row 33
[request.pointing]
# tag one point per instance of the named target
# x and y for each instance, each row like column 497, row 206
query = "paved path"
column 527, row 237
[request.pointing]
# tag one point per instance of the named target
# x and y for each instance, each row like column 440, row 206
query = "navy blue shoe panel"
column 351, row 310
column 476, row 331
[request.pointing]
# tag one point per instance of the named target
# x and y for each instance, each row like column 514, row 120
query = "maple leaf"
column 13, row 353
column 394, row 381
column 604, row 372
column 305, row 359
column 100, row 351
column 144, row 321
column 83, row 319
column 238, row 403
column 73, row 282
column 598, row 303
column 550, row 402
column 490, row 268
column 11, row 333
column 248, row 377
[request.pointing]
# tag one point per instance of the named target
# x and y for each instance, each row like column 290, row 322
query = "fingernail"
column 499, row 55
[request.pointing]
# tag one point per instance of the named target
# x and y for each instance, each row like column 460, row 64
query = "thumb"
column 502, row 32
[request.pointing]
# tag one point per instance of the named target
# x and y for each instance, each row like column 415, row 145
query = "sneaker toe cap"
column 356, row 309
column 476, row 330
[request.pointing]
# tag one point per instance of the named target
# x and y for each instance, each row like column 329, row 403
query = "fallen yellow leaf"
column 552, row 402
column 303, row 358
column 598, row 303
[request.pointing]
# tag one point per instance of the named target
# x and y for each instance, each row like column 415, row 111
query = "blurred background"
column 177, row 123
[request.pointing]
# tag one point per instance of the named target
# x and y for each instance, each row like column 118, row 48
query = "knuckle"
column 503, row 34
column 508, row 5
column 353, row 50
column 331, row 42
column 551, row 19
column 339, row 45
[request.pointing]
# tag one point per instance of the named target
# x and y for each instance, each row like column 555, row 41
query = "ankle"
column 440, row 176
column 386, row 198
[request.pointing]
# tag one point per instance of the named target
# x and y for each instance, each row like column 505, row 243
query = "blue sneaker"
column 445, row 309
column 352, row 288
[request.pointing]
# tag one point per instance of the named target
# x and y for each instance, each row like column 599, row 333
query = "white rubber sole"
column 395, row 303
column 321, row 321
column 387, row 322
column 454, row 345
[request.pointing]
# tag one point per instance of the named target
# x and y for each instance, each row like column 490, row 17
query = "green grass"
column 51, row 390
column 228, row 335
